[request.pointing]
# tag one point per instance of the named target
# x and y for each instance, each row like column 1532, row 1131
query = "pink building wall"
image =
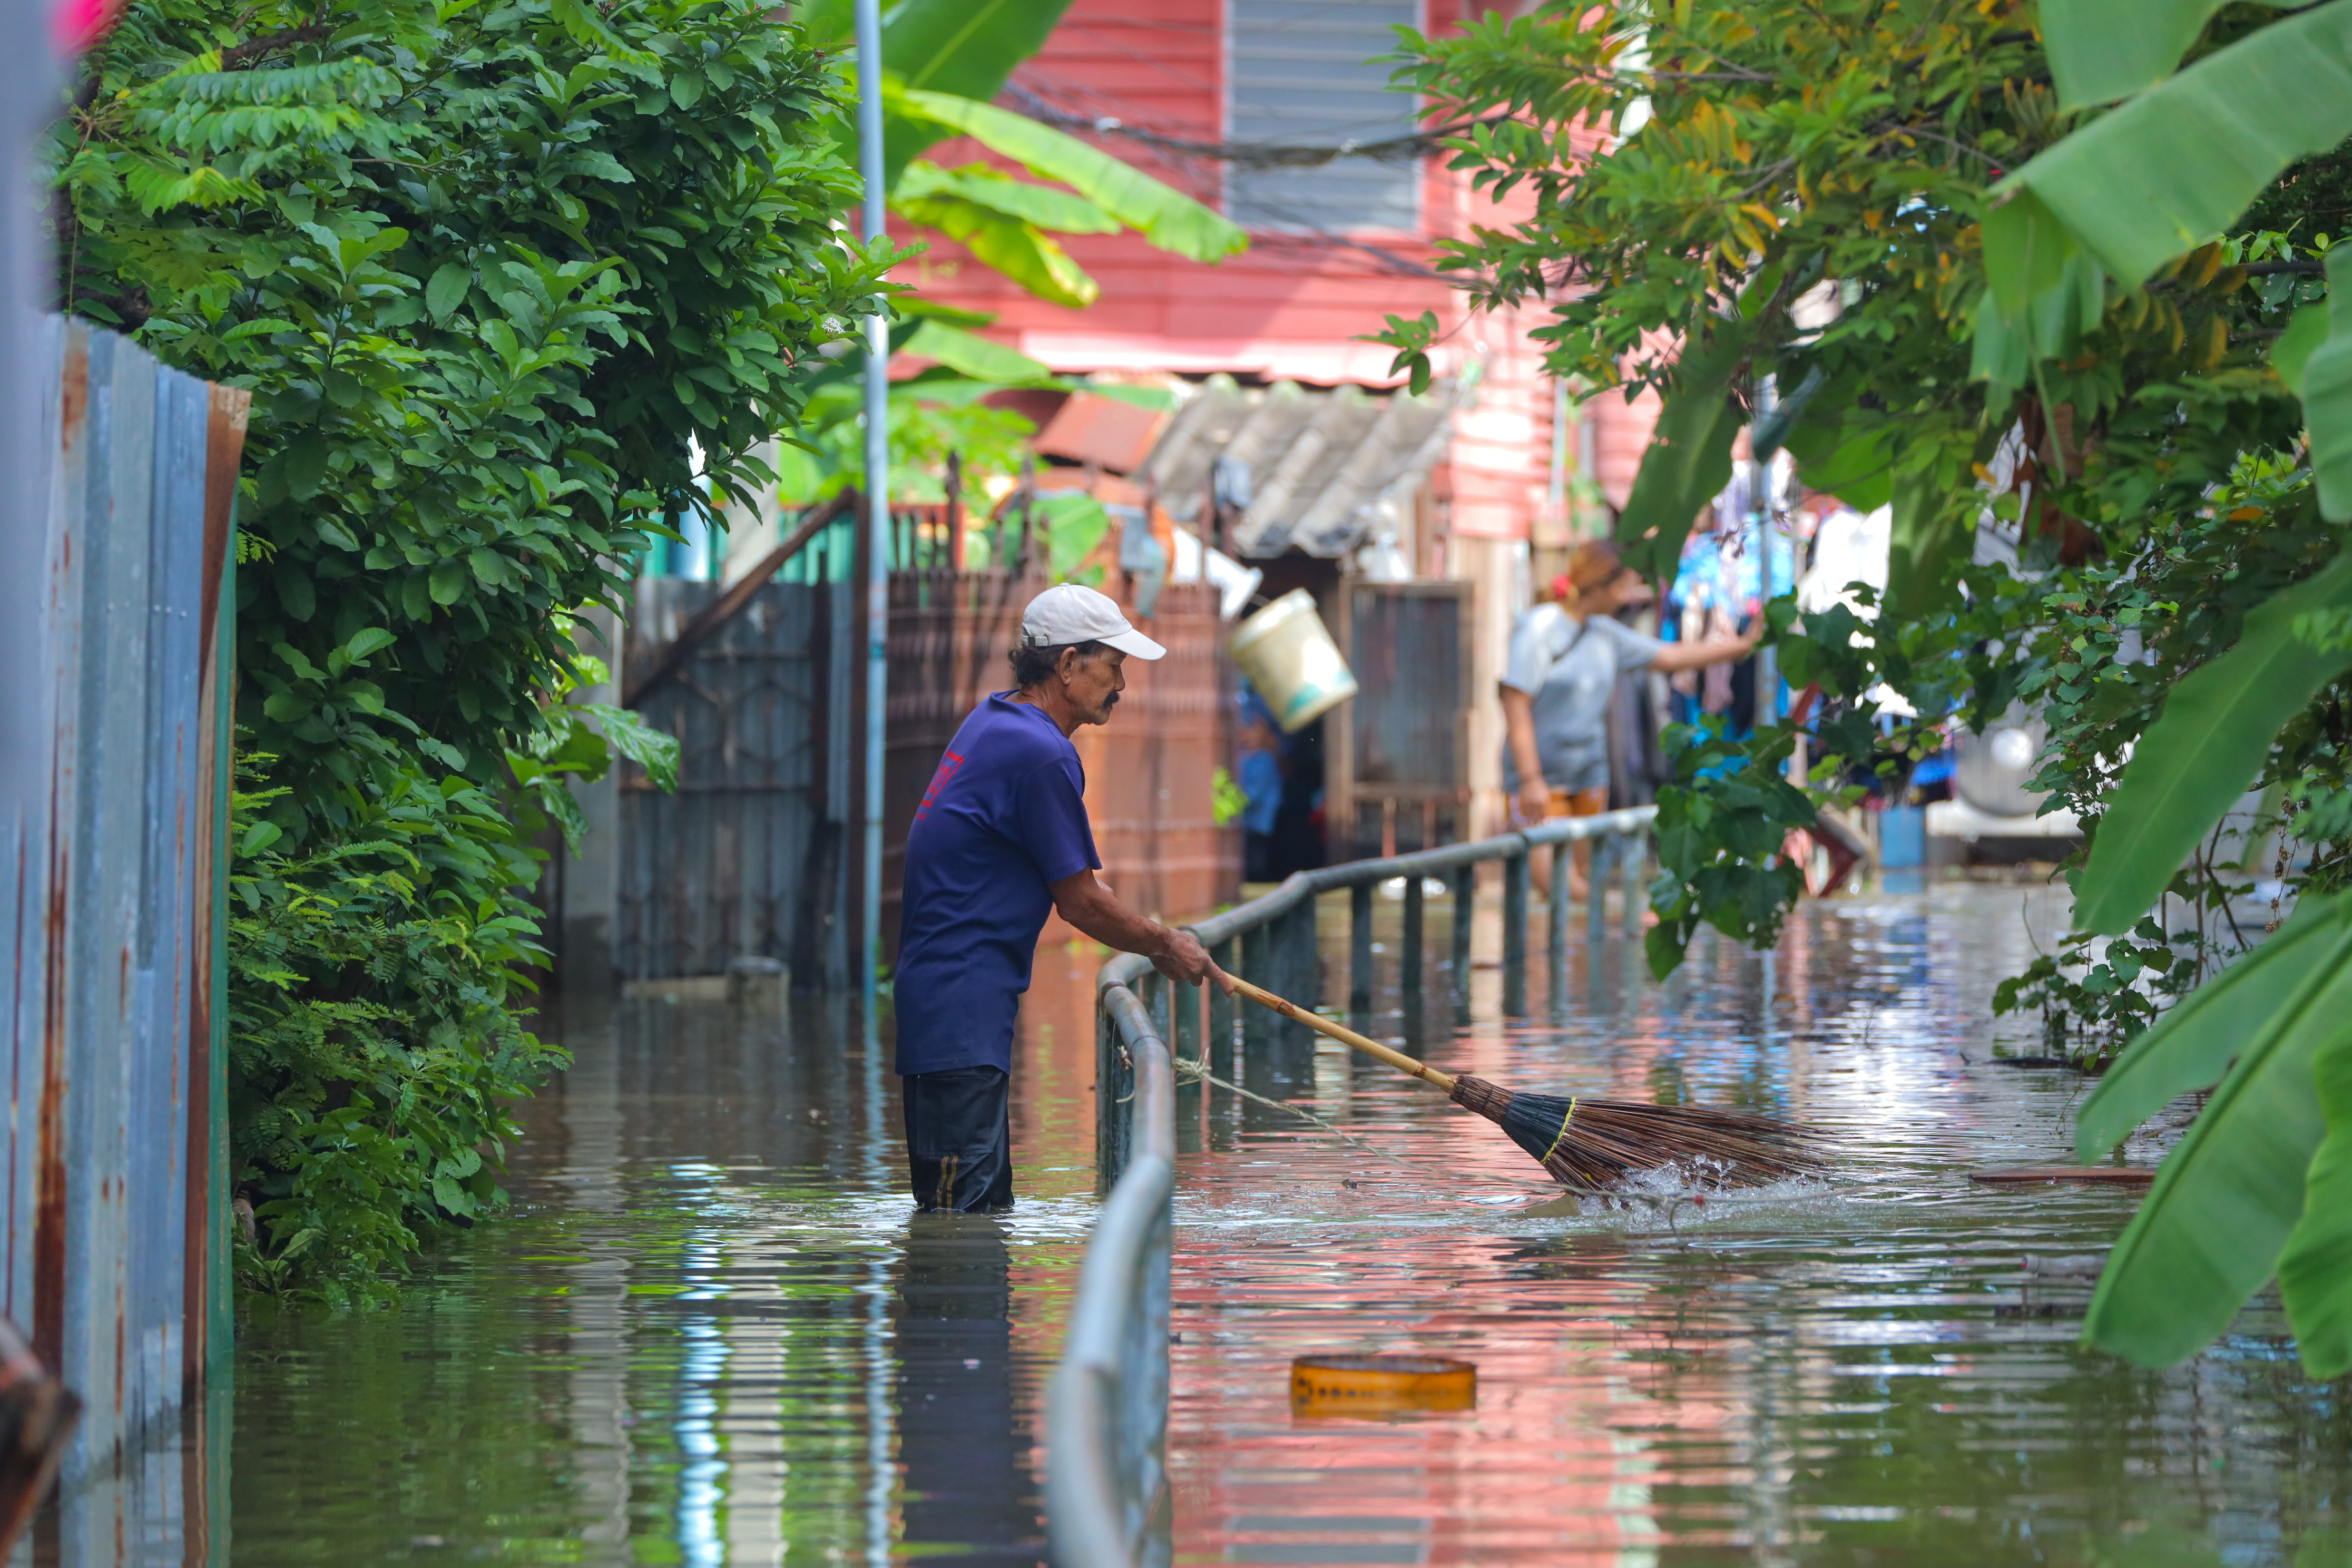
column 1293, row 308
column 1290, row 307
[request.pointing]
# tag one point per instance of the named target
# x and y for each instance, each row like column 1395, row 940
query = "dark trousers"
column 959, row 1138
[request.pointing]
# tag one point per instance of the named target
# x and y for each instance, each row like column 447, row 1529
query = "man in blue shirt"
column 1000, row 839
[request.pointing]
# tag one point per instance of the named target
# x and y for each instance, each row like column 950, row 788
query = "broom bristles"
column 1589, row 1146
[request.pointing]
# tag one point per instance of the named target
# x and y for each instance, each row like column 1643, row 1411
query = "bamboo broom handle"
column 1323, row 1026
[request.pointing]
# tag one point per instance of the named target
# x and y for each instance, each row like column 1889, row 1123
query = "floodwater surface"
column 713, row 1334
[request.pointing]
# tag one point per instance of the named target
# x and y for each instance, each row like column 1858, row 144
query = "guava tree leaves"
column 476, row 383
column 1719, row 828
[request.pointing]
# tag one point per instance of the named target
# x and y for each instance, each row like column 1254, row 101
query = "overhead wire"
column 1248, row 154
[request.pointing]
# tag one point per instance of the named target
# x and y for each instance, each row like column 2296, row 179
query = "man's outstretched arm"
column 1090, row 907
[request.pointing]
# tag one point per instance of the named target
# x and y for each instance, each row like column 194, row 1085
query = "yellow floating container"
column 1380, row 1384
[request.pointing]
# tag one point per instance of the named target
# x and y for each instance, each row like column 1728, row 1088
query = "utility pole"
column 878, row 691
column 877, row 497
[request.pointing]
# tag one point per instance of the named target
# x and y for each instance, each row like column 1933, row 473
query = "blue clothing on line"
column 1004, row 818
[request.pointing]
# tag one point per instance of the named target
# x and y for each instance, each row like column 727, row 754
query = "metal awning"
column 1318, row 469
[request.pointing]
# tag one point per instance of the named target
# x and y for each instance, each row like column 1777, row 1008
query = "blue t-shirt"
column 1005, row 818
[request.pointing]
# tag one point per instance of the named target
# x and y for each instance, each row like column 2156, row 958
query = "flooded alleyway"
column 714, row 1335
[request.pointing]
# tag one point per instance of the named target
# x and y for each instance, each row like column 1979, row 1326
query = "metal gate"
column 1398, row 774
column 748, row 856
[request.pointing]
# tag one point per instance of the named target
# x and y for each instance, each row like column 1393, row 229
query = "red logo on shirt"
column 949, row 763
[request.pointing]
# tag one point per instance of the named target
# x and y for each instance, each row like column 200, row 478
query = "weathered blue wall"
column 115, row 1255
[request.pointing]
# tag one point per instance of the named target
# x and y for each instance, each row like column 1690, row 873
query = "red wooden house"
column 1216, row 97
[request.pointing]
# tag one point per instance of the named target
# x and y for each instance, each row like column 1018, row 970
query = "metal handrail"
column 1106, row 1502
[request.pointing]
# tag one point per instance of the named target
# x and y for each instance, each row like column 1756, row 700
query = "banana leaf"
column 2292, row 349
column 980, row 358
column 1689, row 457
column 1934, row 524
column 1162, row 214
column 2225, row 1202
column 2194, row 1044
column 2027, row 252
column 2316, row 1271
column 962, row 46
column 1853, row 462
column 1999, row 351
column 1047, row 206
column 1072, row 523
column 967, row 48
column 2042, row 292
column 2173, row 167
column 2101, row 50
column 2204, row 751
column 2326, row 388
column 1011, row 246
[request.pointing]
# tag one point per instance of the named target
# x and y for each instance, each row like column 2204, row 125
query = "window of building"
column 1302, row 73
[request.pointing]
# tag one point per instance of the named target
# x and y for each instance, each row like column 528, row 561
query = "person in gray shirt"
column 1565, row 658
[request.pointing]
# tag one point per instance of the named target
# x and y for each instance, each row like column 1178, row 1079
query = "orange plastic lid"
column 1380, row 1384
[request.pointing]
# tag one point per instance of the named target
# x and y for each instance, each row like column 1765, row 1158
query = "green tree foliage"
column 370, row 1044
column 509, row 283
column 2258, row 1186
column 494, row 277
column 2015, row 317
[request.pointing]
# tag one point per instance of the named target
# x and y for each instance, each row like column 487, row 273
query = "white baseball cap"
column 1071, row 613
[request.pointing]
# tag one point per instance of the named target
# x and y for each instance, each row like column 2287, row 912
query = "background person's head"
column 1598, row 582
column 1075, row 643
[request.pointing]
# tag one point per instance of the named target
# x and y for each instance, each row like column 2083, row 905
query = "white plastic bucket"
column 1291, row 657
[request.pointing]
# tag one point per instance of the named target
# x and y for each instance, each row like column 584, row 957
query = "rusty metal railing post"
column 1221, row 1014
column 1409, row 957
column 1465, row 907
column 1596, row 897
column 1515, row 934
column 1186, row 1043
column 1556, row 936
column 1114, row 1098
column 1360, row 949
column 1299, row 969
column 1637, row 845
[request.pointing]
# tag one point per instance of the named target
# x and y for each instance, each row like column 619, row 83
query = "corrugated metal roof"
column 1104, row 431
column 1307, row 467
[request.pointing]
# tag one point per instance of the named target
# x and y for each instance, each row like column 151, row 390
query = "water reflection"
column 964, row 1442
column 714, row 1336
column 711, row 1336
column 1860, row 1369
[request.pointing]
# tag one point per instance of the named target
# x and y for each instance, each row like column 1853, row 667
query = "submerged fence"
column 111, row 925
column 1106, row 1502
